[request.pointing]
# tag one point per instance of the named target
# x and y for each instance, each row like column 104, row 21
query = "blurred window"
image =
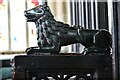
column 15, row 33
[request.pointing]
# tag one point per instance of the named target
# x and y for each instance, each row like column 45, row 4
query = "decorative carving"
column 52, row 34
column 62, row 77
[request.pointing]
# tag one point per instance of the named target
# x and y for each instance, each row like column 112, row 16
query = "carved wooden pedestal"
column 63, row 67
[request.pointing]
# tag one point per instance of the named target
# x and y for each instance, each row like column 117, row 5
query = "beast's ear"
column 46, row 7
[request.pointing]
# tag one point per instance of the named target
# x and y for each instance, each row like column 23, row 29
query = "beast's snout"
column 31, row 17
column 34, row 14
column 25, row 13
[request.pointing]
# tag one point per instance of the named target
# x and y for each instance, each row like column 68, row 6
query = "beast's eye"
column 39, row 11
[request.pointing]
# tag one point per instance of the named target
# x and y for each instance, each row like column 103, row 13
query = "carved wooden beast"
column 52, row 34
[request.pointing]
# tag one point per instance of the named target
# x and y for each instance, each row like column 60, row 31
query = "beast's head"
column 35, row 13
